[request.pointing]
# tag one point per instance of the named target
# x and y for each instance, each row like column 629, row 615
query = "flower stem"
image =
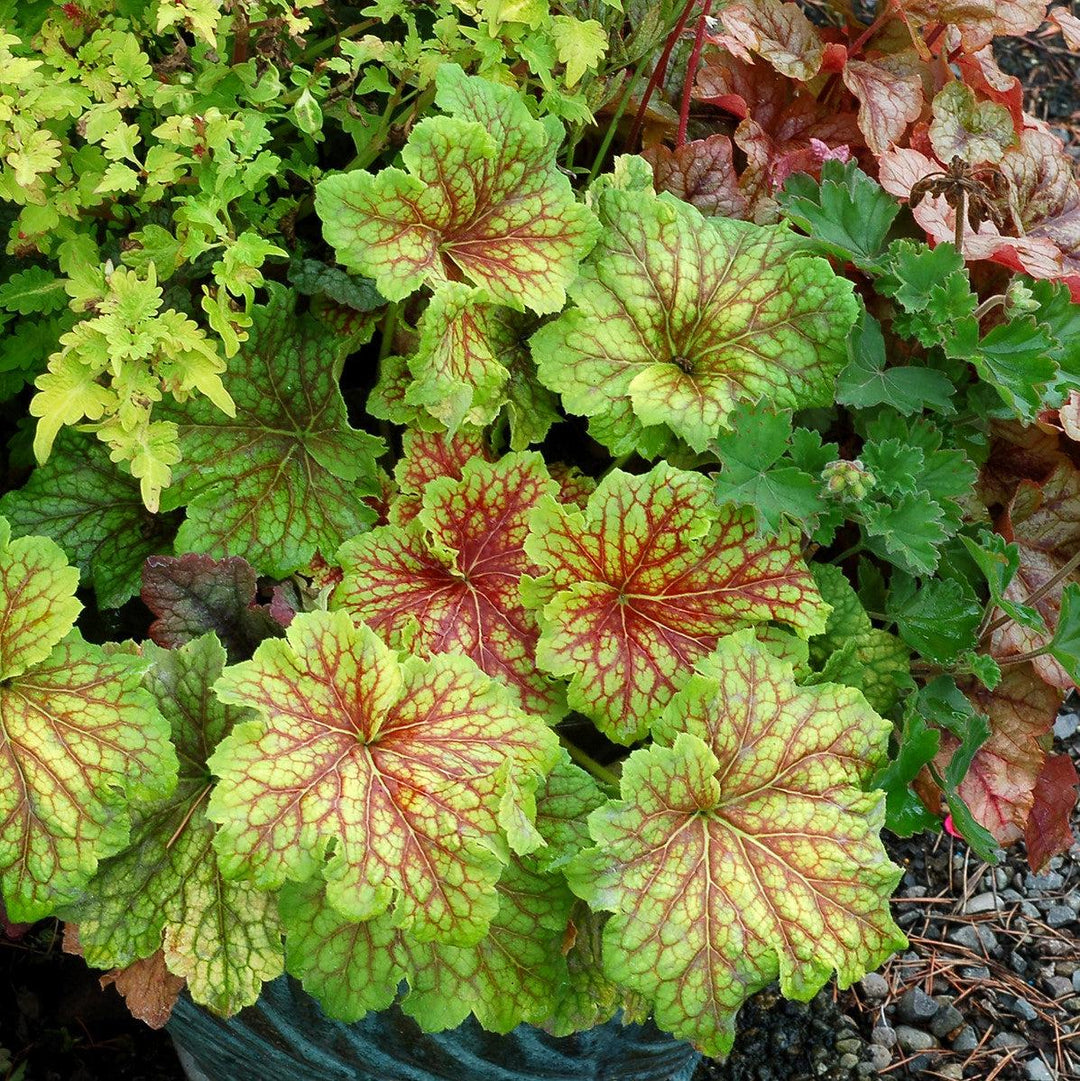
column 691, row 71
column 588, row 763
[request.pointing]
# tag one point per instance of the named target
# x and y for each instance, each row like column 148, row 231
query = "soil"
column 1018, row 1000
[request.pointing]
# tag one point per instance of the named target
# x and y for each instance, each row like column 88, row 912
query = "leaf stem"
column 609, row 135
column 617, row 463
column 389, row 327
column 587, row 762
column 854, row 550
column 1038, row 594
column 187, row 817
column 691, row 71
column 658, row 74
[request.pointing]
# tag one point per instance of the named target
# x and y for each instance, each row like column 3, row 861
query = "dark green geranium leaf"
column 938, row 617
column 1065, row 645
column 999, row 560
column 846, row 212
column 755, row 473
column 1014, row 357
column 915, row 270
column 907, row 533
column 94, row 512
column 286, row 476
column 866, row 381
column 896, row 466
column 905, row 813
column 314, row 278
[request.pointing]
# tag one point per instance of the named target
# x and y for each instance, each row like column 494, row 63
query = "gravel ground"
column 989, row 987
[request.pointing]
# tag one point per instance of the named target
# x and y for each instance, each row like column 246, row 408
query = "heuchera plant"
column 587, row 467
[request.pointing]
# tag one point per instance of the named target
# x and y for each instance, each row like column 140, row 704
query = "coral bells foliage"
column 563, row 477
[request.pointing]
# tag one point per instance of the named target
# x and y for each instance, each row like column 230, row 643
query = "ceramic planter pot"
column 285, row 1037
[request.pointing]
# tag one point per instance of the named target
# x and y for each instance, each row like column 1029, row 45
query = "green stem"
column 389, row 326
column 617, row 463
column 854, row 550
column 609, row 135
column 587, row 762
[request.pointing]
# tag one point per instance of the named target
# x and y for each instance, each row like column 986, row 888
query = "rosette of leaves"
column 678, row 318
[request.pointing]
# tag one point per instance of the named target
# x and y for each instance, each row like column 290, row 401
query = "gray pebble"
column 874, row 986
column 916, row 1006
column 983, row 902
column 1072, row 899
column 849, row 1062
column 880, row 1057
column 1006, row 1038
column 864, row 1069
column 1023, row 1009
column 1037, row 1070
column 914, row 1039
column 966, row 1041
column 1066, row 725
column 1011, row 895
column 1059, row 915
column 1044, row 883
column 976, row 938
column 952, row 1070
column 1030, row 910
column 1076, row 980
column 883, row 1036
column 946, row 1020
column 1058, row 986
column 849, row 1047
column 975, row 972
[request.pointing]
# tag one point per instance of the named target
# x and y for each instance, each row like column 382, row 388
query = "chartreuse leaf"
column 757, row 474
column 447, row 580
column 854, row 652
column 641, row 583
column 744, row 847
column 286, row 476
column 94, row 511
column 679, row 317
column 846, row 212
column 383, row 775
column 165, row 890
column 78, row 737
column 510, row 976
column 480, row 195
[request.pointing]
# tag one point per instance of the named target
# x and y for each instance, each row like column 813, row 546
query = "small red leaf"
column 701, row 173
column 1048, row 830
column 193, row 594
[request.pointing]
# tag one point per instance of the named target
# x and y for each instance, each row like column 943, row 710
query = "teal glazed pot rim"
column 286, row 1037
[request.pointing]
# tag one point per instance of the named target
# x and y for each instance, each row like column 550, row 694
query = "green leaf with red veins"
column 480, row 196
column 395, row 764
column 447, row 581
column 426, row 455
column 678, row 318
column 37, row 600
column 975, row 132
column 779, row 33
column 459, row 376
column 640, row 585
column 1044, row 522
column 79, row 739
column 744, row 847
column 165, row 889
column 511, row 975
column 286, row 476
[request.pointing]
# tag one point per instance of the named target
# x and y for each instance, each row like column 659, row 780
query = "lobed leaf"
column 480, row 195
column 447, row 581
column 392, row 769
column 165, row 893
column 640, row 584
column 678, row 318
column 286, row 476
column 744, row 847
